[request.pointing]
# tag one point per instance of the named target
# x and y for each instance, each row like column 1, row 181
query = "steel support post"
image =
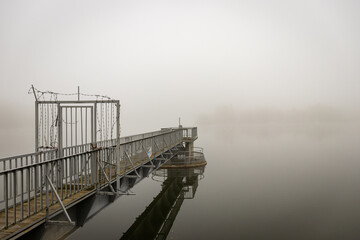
column 93, row 144
column 118, row 145
column 36, row 126
column 60, row 132
column 60, row 152
column 46, row 194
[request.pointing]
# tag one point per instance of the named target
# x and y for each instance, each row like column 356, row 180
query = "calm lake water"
column 262, row 181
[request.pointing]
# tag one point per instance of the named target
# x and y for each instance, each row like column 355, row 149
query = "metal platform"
column 37, row 203
column 80, row 165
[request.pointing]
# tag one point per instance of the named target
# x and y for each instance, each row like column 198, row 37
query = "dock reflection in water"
column 157, row 219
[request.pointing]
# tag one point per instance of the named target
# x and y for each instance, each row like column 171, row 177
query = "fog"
column 273, row 87
column 204, row 61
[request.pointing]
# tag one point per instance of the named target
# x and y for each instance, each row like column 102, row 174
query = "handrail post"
column 118, row 146
column 60, row 132
column 47, row 193
column 36, row 126
column 6, row 201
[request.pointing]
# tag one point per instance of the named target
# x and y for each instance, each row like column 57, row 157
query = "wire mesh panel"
column 106, row 123
column 47, row 124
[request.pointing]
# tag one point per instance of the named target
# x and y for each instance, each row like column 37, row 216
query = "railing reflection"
column 157, row 219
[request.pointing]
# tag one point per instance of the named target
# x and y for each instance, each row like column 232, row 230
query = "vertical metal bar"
column 76, row 132
column 70, row 175
column 101, row 121
column 106, row 121
column 109, row 160
column 42, row 126
column 48, row 124
column 106, row 158
column 35, row 190
column 10, row 180
column 81, row 126
column 62, row 178
column 71, row 126
column 60, row 132
column 52, row 172
column 6, row 200
column 86, row 130
column 81, row 171
column 97, row 156
column 93, row 142
column 93, row 123
column 57, row 178
column 86, row 169
column 47, row 192
column 111, row 120
column 14, row 199
column 66, row 128
column 118, row 145
column 66, row 176
column 72, row 180
column 77, row 172
column 22, row 194
column 28, row 190
column 41, row 186
column 100, row 179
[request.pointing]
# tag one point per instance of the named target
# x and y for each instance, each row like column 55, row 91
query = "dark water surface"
column 261, row 182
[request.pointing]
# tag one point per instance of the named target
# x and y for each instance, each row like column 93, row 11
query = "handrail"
column 26, row 157
column 50, row 161
column 25, row 185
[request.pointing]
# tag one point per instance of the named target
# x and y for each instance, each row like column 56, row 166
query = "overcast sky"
column 165, row 59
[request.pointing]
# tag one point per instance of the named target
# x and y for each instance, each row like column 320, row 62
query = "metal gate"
column 67, row 128
column 71, row 127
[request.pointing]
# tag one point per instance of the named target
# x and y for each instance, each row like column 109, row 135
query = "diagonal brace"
column 161, row 150
column 106, row 177
column 59, row 200
column 146, row 154
column 132, row 164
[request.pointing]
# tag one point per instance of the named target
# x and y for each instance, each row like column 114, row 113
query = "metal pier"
column 79, row 166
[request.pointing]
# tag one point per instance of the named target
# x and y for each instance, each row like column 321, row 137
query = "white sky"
column 165, row 59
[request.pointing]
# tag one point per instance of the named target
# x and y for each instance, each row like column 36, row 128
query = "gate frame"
column 93, row 104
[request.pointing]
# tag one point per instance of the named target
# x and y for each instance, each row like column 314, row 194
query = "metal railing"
column 196, row 156
column 135, row 151
column 26, row 189
column 26, row 159
column 31, row 158
column 33, row 182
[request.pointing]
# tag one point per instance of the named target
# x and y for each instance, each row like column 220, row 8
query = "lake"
column 262, row 181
